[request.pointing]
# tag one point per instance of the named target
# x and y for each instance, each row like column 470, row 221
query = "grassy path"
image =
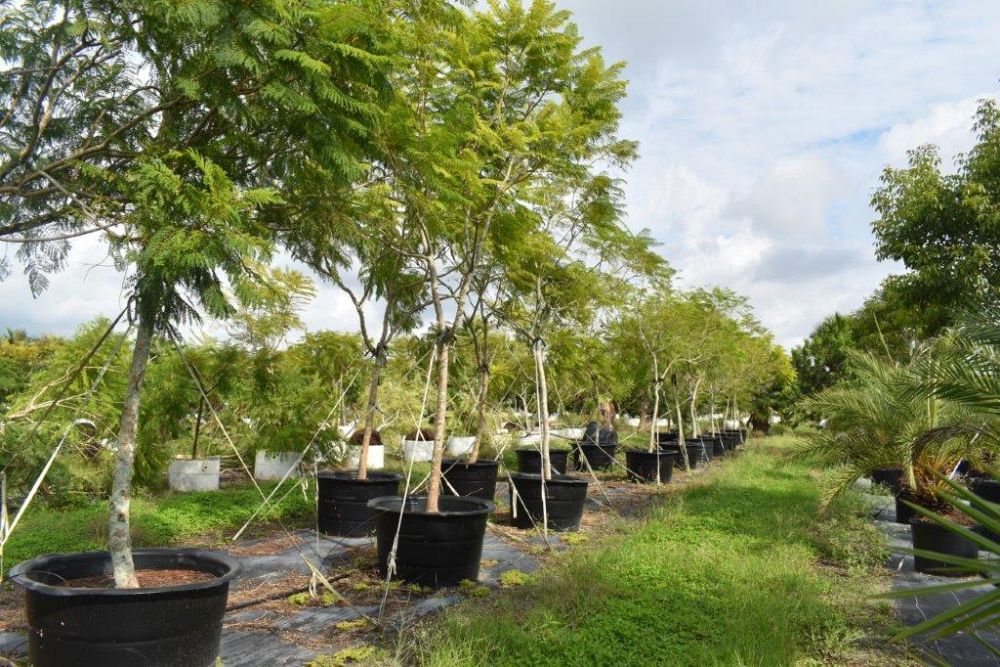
column 734, row 570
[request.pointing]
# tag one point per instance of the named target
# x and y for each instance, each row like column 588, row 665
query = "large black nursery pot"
column 564, row 500
column 435, row 548
column 696, row 452
column 667, row 437
column 649, row 467
column 989, row 490
column 171, row 625
column 343, row 500
column 733, row 437
column 599, row 456
column 714, row 441
column 905, row 513
column 477, row 479
column 889, row 477
column 598, row 448
column 530, row 460
column 929, row 536
column 709, row 443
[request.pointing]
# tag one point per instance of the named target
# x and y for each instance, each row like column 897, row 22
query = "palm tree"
column 885, row 415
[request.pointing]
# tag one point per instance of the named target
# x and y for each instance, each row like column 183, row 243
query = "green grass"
column 736, row 571
column 157, row 520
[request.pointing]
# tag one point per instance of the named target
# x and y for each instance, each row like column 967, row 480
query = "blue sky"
column 763, row 128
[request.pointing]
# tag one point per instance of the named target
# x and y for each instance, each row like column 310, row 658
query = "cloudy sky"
column 763, row 129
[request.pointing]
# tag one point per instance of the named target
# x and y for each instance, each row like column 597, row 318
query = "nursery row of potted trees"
column 424, row 551
column 423, row 158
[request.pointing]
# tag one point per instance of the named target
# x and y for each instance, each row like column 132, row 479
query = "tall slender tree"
column 178, row 131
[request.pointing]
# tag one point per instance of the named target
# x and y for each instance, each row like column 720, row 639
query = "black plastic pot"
column 172, row 625
column 434, row 549
column 530, row 460
column 564, row 500
column 667, row 437
column 696, row 452
column 889, row 477
column 732, row 437
column 904, row 513
column 343, row 500
column 477, row 479
column 642, row 465
column 989, row 490
column 929, row 536
column 675, row 451
column 716, row 443
column 600, row 457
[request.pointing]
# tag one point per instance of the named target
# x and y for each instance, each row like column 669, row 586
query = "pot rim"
column 536, row 450
column 19, row 573
column 482, row 506
column 556, row 479
column 351, row 476
column 481, row 463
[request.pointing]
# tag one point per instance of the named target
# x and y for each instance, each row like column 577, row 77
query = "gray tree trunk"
column 119, row 535
column 434, row 484
column 379, row 363
column 543, row 409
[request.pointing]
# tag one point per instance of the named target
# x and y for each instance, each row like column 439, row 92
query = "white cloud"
column 948, row 126
column 792, row 197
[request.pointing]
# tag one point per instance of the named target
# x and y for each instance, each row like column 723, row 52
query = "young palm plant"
column 980, row 611
column 885, row 416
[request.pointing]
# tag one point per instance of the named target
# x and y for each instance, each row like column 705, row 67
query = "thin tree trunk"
column 434, row 485
column 484, row 388
column 656, row 405
column 711, row 408
column 543, row 409
column 378, row 363
column 695, row 431
column 197, row 427
column 119, row 536
column 680, row 430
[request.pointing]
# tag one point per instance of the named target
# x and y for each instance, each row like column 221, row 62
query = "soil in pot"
column 642, row 465
column 530, row 460
column 434, row 549
column 929, row 536
column 343, row 500
column 600, row 457
column 477, row 479
column 177, row 622
column 888, row 477
column 564, row 501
